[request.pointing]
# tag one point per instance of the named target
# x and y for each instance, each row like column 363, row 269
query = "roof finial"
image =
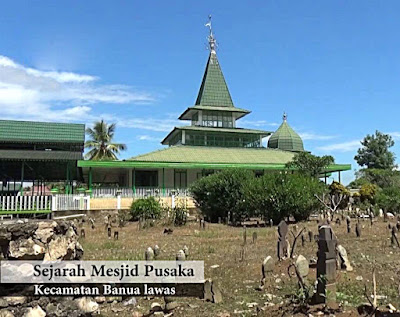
column 284, row 116
column 212, row 42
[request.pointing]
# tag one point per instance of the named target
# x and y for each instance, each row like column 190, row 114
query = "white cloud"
column 33, row 94
column 151, row 124
column 312, row 136
column 349, row 146
column 148, row 138
column 257, row 123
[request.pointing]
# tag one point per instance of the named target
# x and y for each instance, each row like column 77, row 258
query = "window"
column 180, row 179
column 217, row 119
column 146, row 178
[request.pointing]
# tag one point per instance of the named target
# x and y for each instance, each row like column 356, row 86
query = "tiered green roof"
column 286, row 139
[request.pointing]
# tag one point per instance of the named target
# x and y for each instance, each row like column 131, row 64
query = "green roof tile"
column 213, row 89
column 30, row 155
column 41, row 132
column 285, row 138
column 200, row 154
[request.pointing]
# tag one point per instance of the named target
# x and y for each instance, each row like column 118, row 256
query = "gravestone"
column 358, row 230
column 186, row 251
column 219, row 220
column 149, row 254
column 267, row 267
column 326, row 266
column 283, row 245
column 344, row 262
column 394, row 240
column 310, row 235
column 348, row 222
column 216, row 294
column 116, row 235
column 156, row 251
column 180, row 256
column 208, row 296
column 303, row 240
column 271, row 223
column 302, row 267
column 109, row 231
column 244, row 235
column 338, row 221
column 398, row 225
column 254, row 237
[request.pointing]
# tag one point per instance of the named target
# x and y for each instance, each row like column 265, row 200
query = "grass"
column 220, row 244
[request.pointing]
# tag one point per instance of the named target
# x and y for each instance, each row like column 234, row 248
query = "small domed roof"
column 285, row 138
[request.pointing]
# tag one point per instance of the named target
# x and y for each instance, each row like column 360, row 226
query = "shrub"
column 146, row 208
column 278, row 196
column 223, row 192
column 272, row 196
column 179, row 216
column 368, row 192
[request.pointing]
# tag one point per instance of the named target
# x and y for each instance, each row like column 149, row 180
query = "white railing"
column 70, row 202
column 139, row 192
column 18, row 203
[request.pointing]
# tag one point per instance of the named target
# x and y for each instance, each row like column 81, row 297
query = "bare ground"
column 221, row 245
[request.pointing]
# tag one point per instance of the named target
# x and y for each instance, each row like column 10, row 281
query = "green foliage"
column 179, row 216
column 368, row 192
column 277, row 196
column 336, row 190
column 100, row 143
column 375, row 153
column 389, row 199
column 146, row 208
column 223, row 192
column 272, row 196
column 310, row 165
column 380, row 177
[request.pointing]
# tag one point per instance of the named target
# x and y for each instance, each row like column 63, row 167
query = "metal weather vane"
column 212, row 42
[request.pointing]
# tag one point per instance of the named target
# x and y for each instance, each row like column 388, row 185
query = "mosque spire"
column 284, row 116
column 212, row 42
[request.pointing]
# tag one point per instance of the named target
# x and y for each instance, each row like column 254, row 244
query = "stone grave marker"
column 358, row 230
column 326, row 266
column 283, row 247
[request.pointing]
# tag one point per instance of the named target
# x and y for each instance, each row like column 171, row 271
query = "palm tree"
column 100, row 142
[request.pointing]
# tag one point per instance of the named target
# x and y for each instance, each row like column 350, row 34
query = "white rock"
column 35, row 312
column 87, row 305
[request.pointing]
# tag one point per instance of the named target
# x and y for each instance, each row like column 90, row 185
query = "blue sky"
column 333, row 66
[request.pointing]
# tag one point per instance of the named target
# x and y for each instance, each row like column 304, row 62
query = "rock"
column 155, row 307
column 45, row 230
column 3, row 302
column 180, row 255
column 343, row 259
column 171, row 306
column 35, row 312
column 252, row 305
column 87, row 305
column 158, row 314
column 100, row 299
column 110, row 299
column 130, row 302
column 359, row 278
column 391, row 308
column 6, row 313
column 278, row 280
column 25, row 249
column 137, row 314
column 302, row 266
column 215, row 266
column 15, row 300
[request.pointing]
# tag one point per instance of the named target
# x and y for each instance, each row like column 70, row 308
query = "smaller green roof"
column 286, row 139
column 31, row 155
column 211, row 129
column 41, row 132
column 187, row 114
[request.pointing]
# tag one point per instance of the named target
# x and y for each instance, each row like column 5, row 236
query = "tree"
column 389, row 199
column 100, row 144
column 375, row 153
column 309, row 164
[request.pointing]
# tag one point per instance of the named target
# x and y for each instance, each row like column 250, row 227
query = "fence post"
column 119, row 199
column 88, row 202
column 53, row 202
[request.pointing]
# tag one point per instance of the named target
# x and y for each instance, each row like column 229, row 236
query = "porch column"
column 22, row 177
column 134, row 181
column 90, row 178
column 339, row 177
column 67, row 182
column 163, row 181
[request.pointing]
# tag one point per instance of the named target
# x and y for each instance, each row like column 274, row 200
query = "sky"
column 333, row 66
